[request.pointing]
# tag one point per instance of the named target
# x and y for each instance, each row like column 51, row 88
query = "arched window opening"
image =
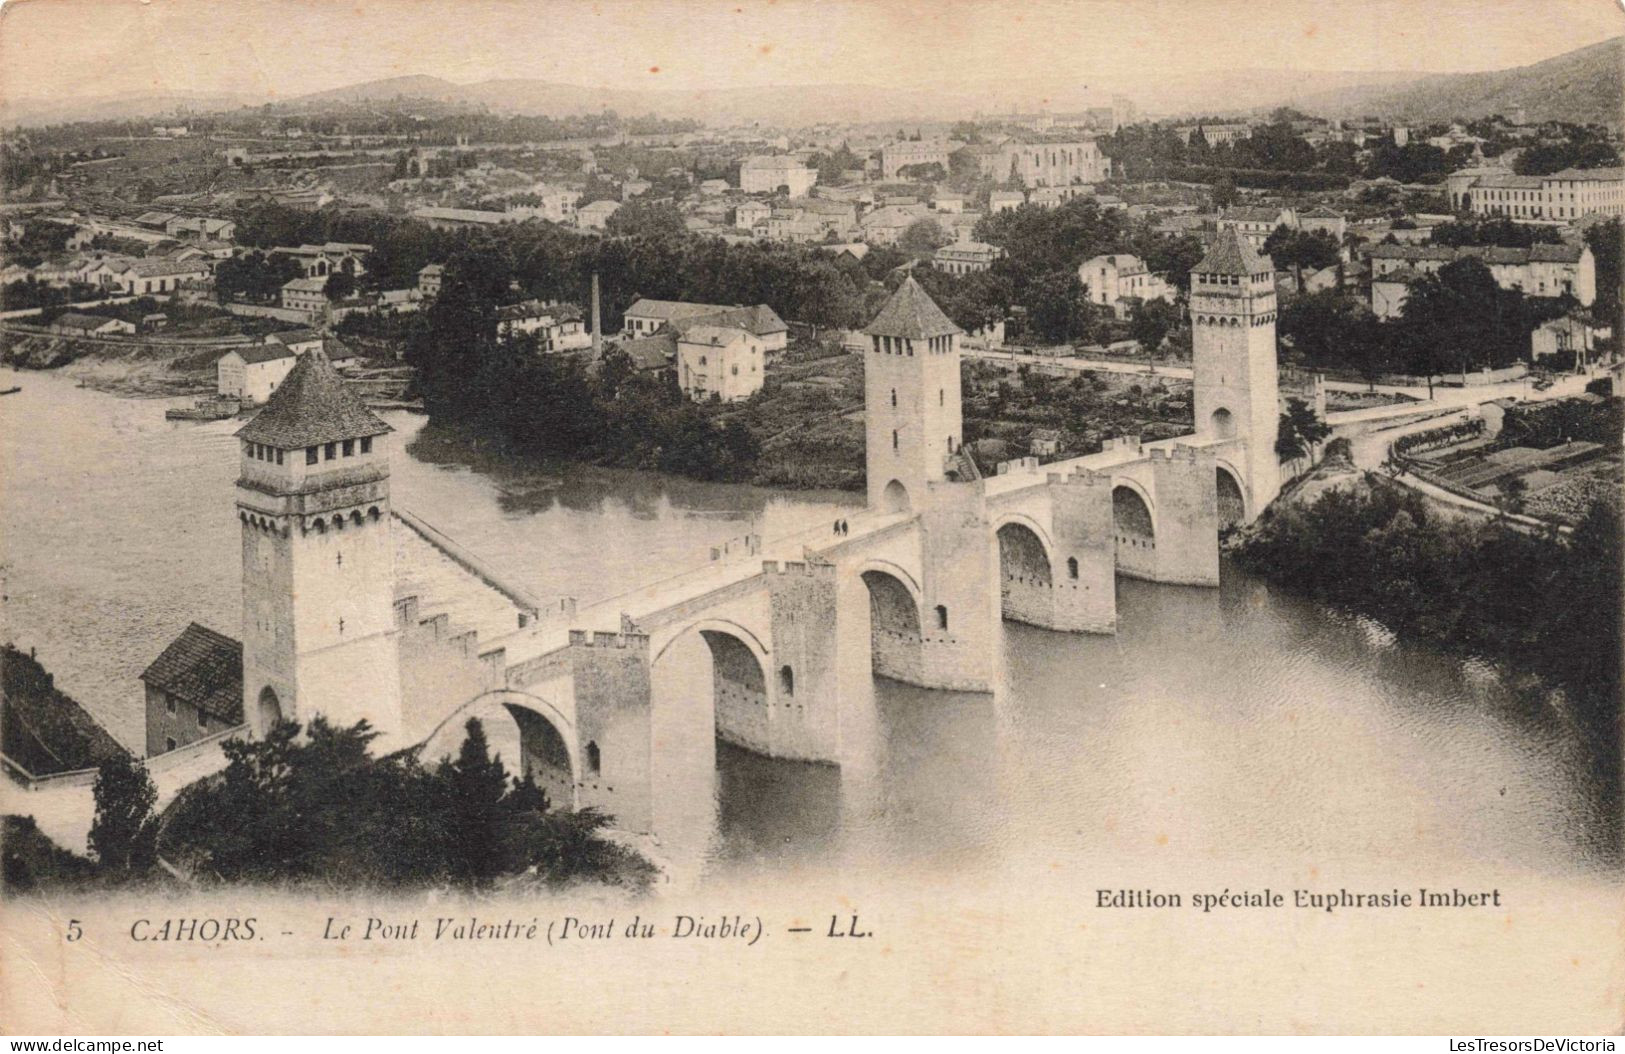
column 942, row 617
column 1072, row 567
column 787, row 681
column 894, row 439
column 594, row 760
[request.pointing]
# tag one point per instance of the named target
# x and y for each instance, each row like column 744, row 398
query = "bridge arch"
column 1135, row 528
column 1026, row 572
column 532, row 735
column 742, row 680
column 895, row 634
column 1231, row 494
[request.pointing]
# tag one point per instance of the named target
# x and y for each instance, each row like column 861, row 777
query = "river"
column 1232, row 724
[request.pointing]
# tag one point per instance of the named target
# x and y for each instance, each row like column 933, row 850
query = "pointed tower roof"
column 1230, row 254
column 911, row 314
column 312, row 406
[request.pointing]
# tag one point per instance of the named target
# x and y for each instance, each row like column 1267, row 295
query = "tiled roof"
column 651, row 353
column 1229, row 254
column 1500, row 254
column 203, row 668
column 1252, row 213
column 1589, row 174
column 911, row 314
column 313, row 406
column 257, row 353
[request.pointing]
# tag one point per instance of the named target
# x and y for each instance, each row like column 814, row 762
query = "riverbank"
column 1534, row 605
column 145, row 370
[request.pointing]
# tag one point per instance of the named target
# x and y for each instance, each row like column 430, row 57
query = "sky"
column 282, row 48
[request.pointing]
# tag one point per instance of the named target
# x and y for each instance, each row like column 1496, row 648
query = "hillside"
column 1584, row 87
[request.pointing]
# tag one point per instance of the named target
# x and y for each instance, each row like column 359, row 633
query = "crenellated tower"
column 1234, row 358
column 319, row 633
column 911, row 398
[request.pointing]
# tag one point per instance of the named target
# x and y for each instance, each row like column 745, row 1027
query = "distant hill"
column 1584, row 87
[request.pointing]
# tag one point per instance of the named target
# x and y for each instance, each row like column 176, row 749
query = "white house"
column 250, row 374
column 767, row 174
column 1115, row 280
column 305, row 294
column 719, row 362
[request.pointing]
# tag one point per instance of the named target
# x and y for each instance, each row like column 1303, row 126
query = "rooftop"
column 203, row 668
column 313, row 406
column 1229, row 254
column 912, row 315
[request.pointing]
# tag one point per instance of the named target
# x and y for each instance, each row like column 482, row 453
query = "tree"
column 922, row 236
column 1300, row 429
column 340, row 285
column 1057, row 309
column 642, row 218
column 124, row 833
column 1151, row 321
column 478, row 783
column 1224, row 189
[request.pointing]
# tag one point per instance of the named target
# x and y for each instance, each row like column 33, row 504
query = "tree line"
column 323, row 809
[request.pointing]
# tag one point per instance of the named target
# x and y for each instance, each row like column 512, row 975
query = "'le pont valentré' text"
column 1312, row 899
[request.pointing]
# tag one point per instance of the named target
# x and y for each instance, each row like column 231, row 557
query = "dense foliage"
column 554, row 406
column 1549, row 604
column 323, row 809
column 1457, row 320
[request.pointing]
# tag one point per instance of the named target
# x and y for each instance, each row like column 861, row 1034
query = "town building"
column 1562, row 337
column 251, row 373
column 76, row 324
column 429, row 279
column 1214, row 134
column 1046, row 164
column 769, row 174
column 556, row 327
column 1542, row 269
column 647, row 317
column 1560, row 196
column 201, row 228
column 748, row 215
column 1256, row 223
column 299, row 341
column 1005, row 201
column 1119, row 279
column 1323, row 220
column 594, row 216
column 886, row 224
column 719, row 362
column 966, row 257
column 305, row 294
column 319, row 261
column 194, row 689
column 906, row 153
column 713, row 187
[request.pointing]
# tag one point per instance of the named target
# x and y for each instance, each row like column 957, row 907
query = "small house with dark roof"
column 194, row 689
column 252, row 372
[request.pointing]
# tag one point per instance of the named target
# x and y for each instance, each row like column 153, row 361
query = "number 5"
column 74, row 932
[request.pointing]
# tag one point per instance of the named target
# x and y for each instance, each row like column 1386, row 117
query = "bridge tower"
column 911, row 398
column 1234, row 359
column 319, row 634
